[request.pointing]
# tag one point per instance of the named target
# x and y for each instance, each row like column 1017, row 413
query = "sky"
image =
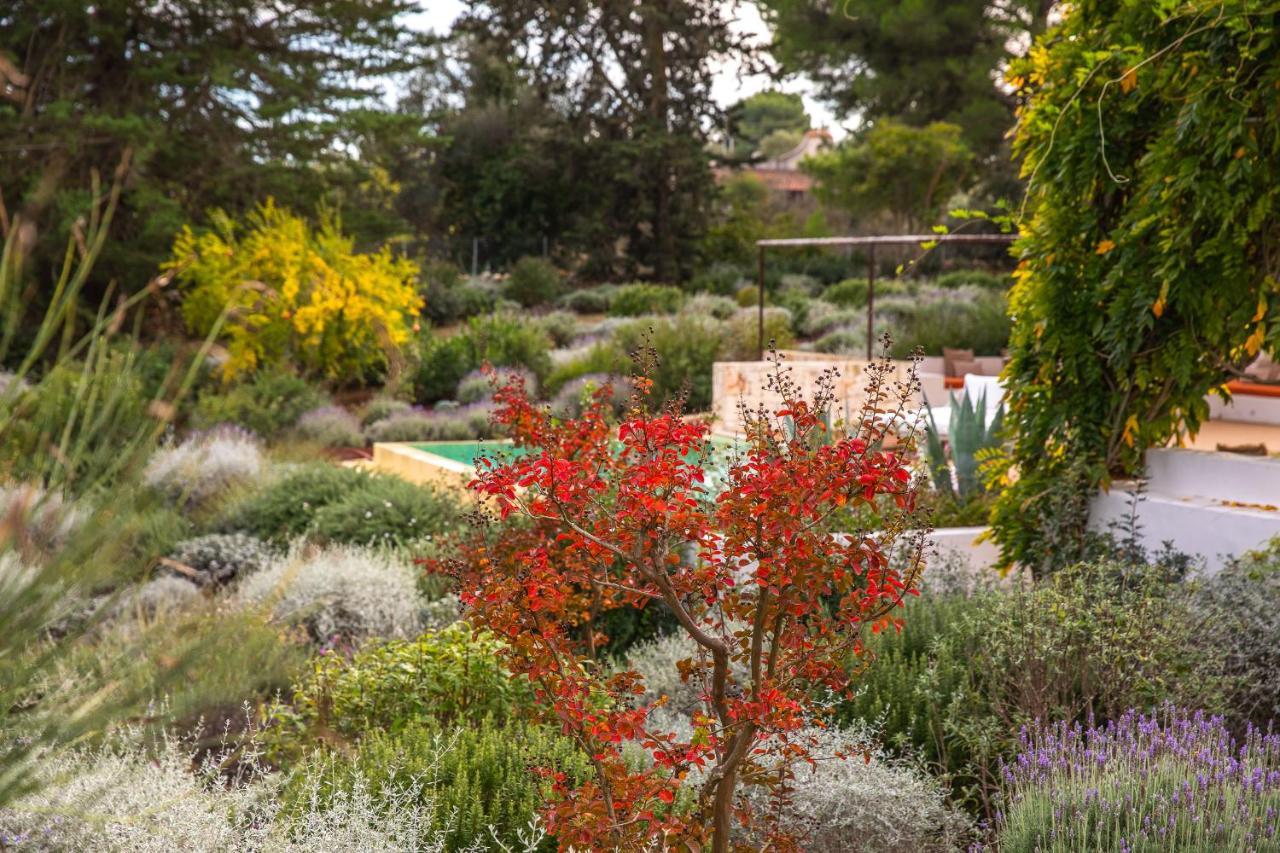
column 439, row 15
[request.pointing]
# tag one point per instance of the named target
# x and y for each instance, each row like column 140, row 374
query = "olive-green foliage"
column 386, row 510
column 686, row 348
column 590, row 300
column 267, row 403
column 893, row 167
column 850, row 293
column 448, row 676
column 533, row 282
column 741, row 339
column 285, row 508
column 603, row 357
column 972, row 319
column 749, row 295
column 1237, row 612
column 448, row 297
column 501, row 340
column 442, row 362
column 720, row 278
column 561, row 327
column 970, row 668
column 333, row 503
column 974, row 278
column 475, row 776
column 94, row 413
column 220, row 660
column 632, row 300
column 1150, row 142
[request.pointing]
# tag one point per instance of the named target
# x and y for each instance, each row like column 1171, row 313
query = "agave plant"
column 953, row 465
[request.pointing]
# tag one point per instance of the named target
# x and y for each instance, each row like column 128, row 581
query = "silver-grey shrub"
column 331, row 426
column 823, row 317
column 205, row 465
column 450, row 424
column 710, row 305
column 220, row 558
column 339, row 593
column 867, row 801
column 121, row 798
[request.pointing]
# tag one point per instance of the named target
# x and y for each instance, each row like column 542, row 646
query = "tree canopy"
column 909, row 172
column 765, row 115
column 221, row 103
column 919, row 61
column 625, row 88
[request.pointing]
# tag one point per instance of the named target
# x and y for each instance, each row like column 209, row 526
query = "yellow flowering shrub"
column 295, row 294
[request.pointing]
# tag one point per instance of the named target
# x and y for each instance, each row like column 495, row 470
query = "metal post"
column 544, row 246
column 475, row 256
column 760, row 309
column 871, row 300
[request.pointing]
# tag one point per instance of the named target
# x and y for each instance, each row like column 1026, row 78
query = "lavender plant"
column 1173, row 780
column 459, row 423
column 331, row 426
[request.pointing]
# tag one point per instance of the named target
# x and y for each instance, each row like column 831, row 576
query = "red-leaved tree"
column 599, row 515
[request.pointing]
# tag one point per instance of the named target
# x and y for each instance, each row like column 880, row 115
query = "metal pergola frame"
column 871, row 243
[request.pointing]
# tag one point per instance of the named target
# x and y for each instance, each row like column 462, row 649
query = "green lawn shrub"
column 501, row 340
column 386, row 510
column 533, row 282
column 285, row 507
column 472, row 777
column 448, row 676
column 742, row 333
column 267, row 403
column 633, row 300
column 973, row 665
column 589, row 300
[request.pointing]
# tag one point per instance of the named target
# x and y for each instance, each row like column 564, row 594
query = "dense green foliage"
column 973, row 665
column 386, row 510
column 286, row 508
column 533, row 282
column 445, row 676
column 268, row 403
column 1151, row 144
column 501, row 340
column 594, row 156
column 632, row 300
column 474, row 777
column 768, row 115
column 335, row 504
column 929, row 60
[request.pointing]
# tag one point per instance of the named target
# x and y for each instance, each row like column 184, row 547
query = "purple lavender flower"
column 1174, row 779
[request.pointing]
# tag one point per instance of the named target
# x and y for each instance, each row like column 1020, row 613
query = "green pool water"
column 467, row 452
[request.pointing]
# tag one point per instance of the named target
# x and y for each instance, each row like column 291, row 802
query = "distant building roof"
column 778, row 180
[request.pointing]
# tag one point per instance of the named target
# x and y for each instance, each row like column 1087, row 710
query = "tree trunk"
column 722, row 811
column 655, row 15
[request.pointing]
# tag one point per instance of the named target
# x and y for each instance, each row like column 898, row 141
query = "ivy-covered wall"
column 1150, row 140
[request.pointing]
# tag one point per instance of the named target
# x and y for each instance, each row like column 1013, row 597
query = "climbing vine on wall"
column 1150, row 139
